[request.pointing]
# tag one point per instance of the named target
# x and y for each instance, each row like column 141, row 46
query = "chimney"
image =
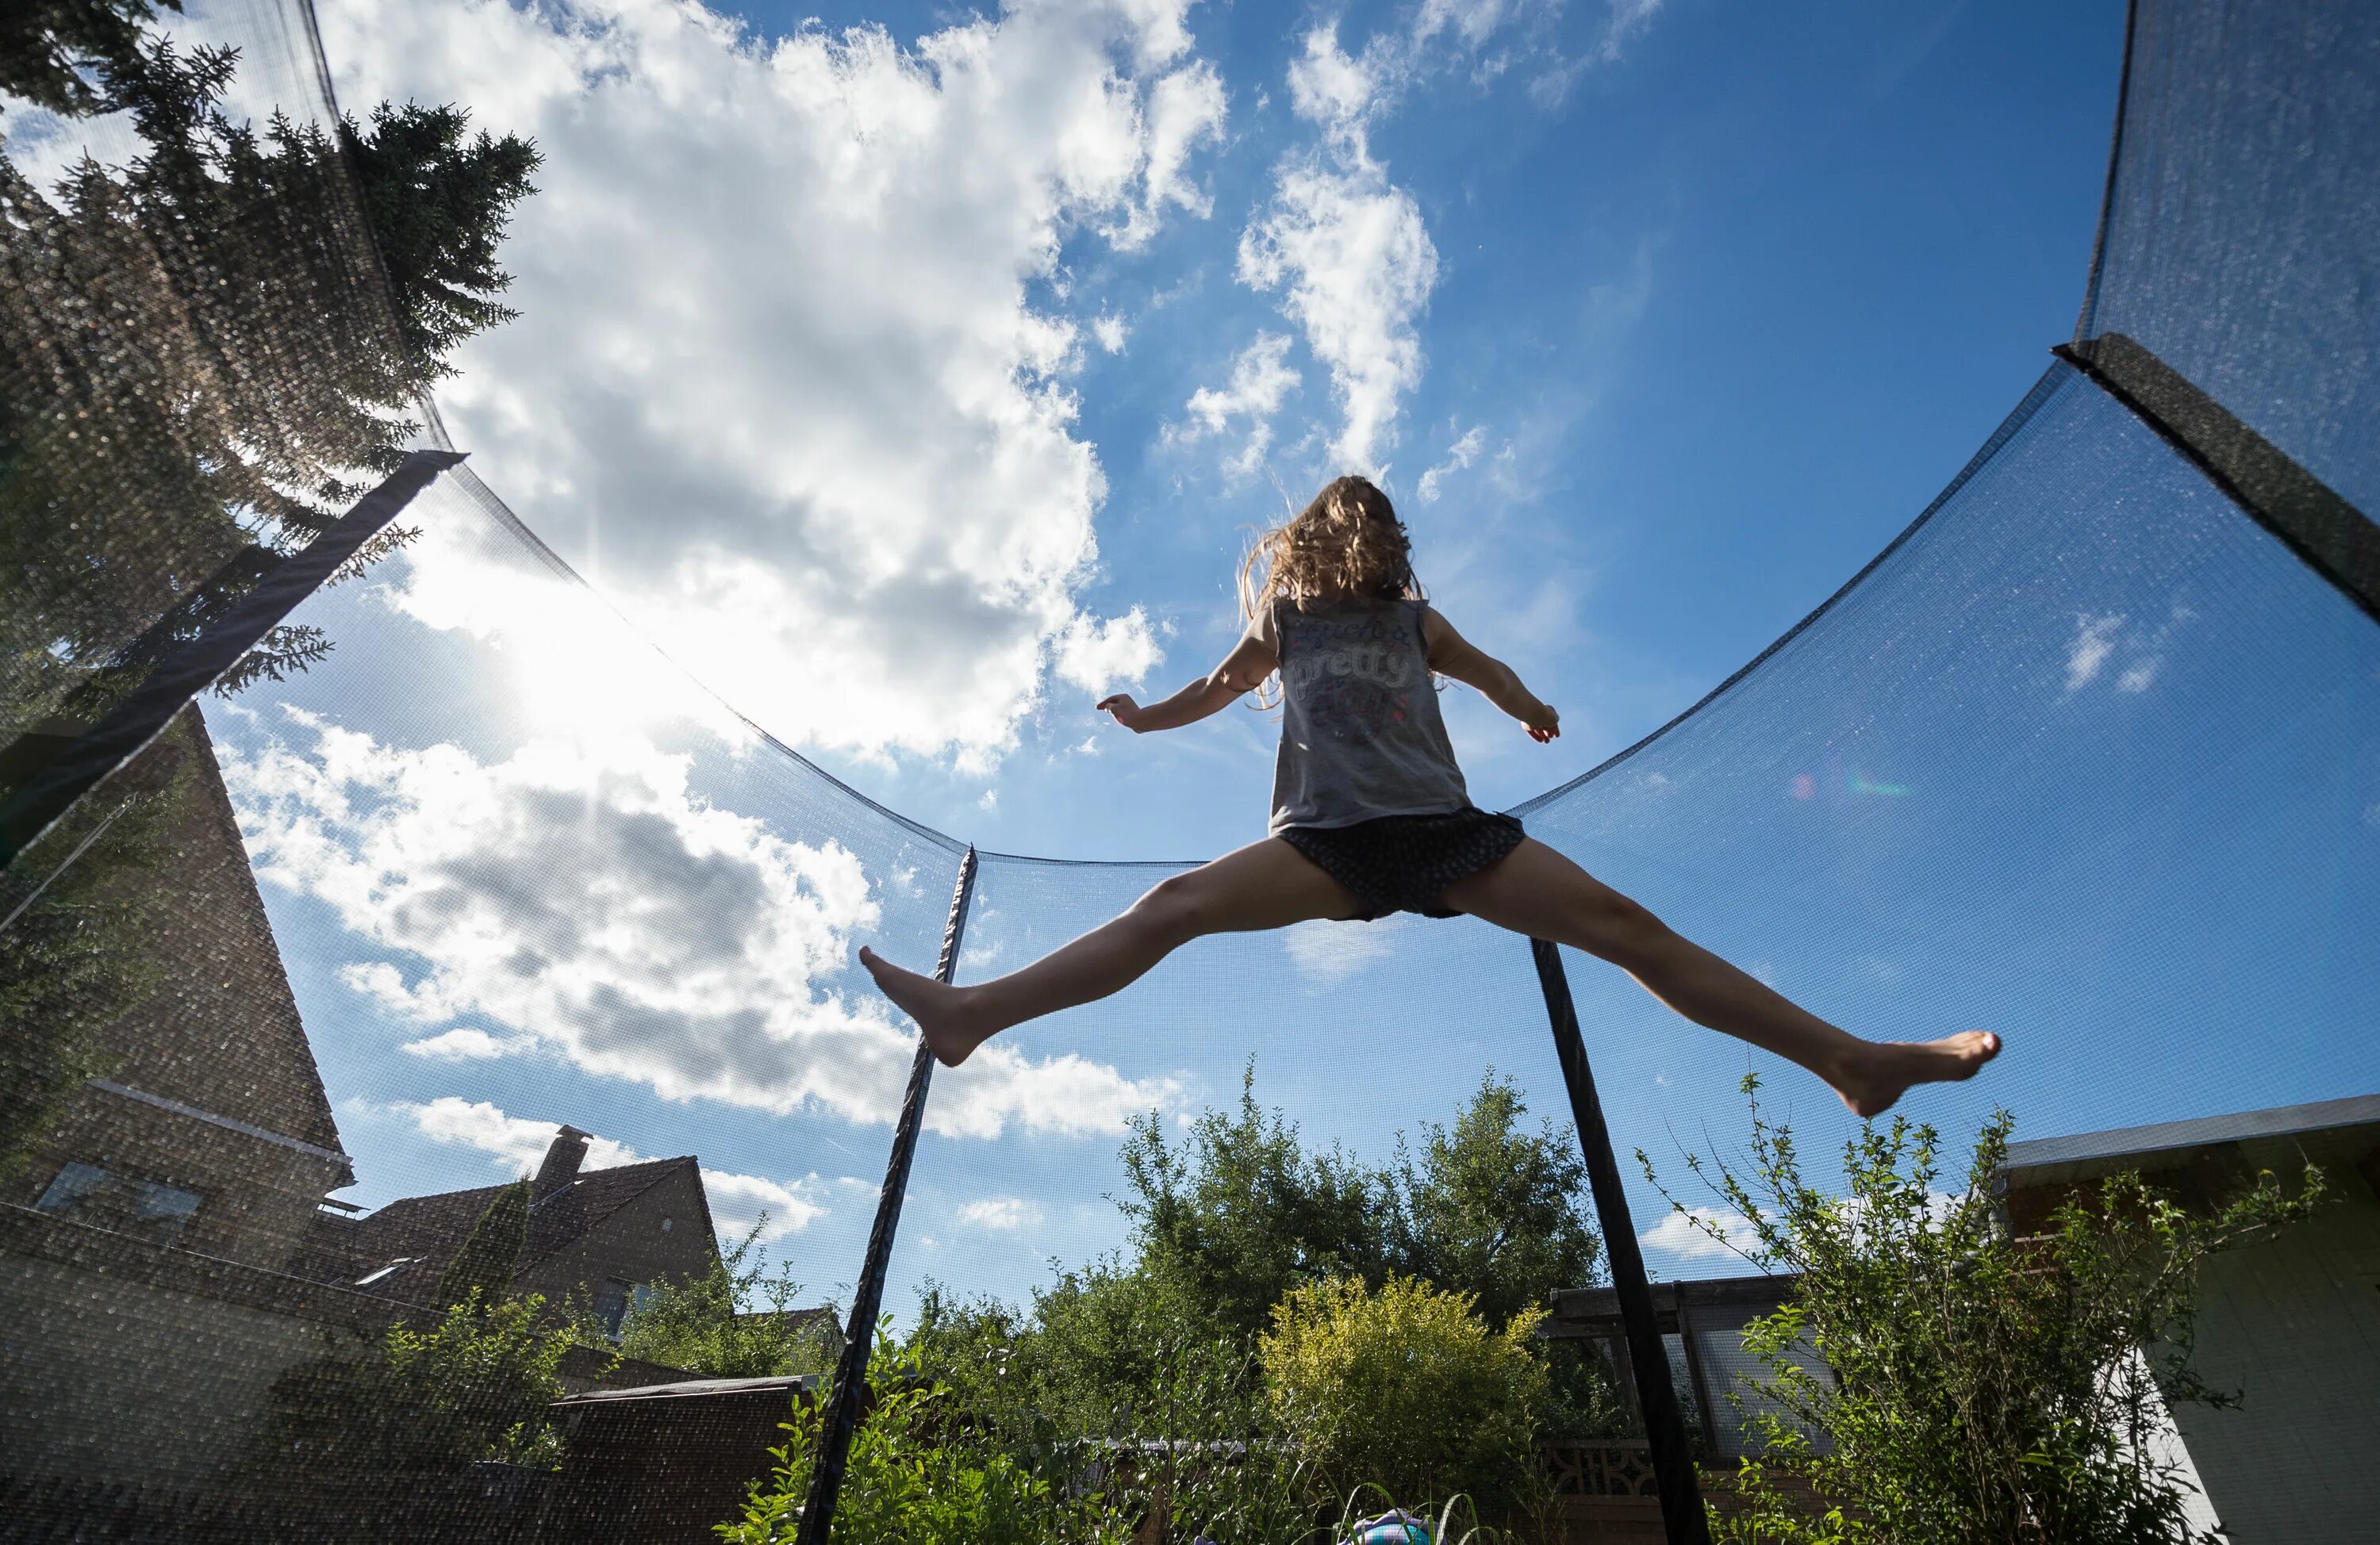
column 561, row 1165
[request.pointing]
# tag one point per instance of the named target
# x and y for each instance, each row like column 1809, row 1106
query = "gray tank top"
column 1360, row 731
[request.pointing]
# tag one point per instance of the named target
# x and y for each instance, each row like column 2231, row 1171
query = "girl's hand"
column 1126, row 711
column 1544, row 725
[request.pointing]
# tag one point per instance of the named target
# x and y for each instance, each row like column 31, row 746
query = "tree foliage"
column 736, row 1320
column 349, row 1441
column 65, row 55
column 920, row 1473
column 1405, row 1387
column 1991, row 1387
column 1239, row 1212
column 201, row 359
column 488, row 1258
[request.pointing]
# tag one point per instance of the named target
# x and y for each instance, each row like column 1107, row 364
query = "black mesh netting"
column 456, row 872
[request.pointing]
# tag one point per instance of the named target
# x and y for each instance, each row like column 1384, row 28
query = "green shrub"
column 1985, row 1388
column 347, row 1438
column 1408, row 1389
column 919, row 1473
column 729, row 1322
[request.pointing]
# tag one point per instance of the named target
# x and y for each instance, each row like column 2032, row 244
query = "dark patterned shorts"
column 1404, row 863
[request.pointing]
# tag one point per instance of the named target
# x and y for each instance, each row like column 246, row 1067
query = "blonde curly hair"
column 1349, row 542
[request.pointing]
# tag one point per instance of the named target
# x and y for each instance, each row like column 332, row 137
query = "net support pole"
column 817, row 1526
column 128, row 728
column 1665, row 1425
column 2329, row 535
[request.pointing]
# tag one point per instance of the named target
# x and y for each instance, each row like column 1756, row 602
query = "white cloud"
column 464, row 1044
column 1008, row 1213
column 1331, row 952
column 741, row 1202
column 1260, row 378
column 1346, row 249
column 1459, row 455
column 584, row 896
column 2094, row 639
column 1185, row 110
column 787, row 341
column 1348, row 252
column 738, row 1201
column 1095, row 655
column 1682, row 1235
column 2099, row 638
column 1110, row 332
column 516, row 1142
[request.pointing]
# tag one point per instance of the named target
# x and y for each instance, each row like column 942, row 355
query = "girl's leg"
column 1264, row 884
column 1538, row 892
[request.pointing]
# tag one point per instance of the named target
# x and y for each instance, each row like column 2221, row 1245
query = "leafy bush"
column 1407, row 1388
column 1992, row 1388
column 919, row 1473
column 705, row 1326
column 348, row 1437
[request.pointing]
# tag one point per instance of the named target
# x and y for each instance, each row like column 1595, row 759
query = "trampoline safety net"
column 2090, row 753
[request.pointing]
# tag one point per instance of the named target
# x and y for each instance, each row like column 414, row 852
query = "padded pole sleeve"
column 128, row 728
column 844, row 1402
column 2333, row 538
column 1664, row 1426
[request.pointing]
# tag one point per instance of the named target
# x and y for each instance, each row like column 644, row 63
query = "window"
column 386, row 1270
column 88, row 1194
column 615, row 1300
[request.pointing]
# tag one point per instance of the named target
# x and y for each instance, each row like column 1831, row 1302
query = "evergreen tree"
column 203, row 360
column 62, row 55
column 483, row 1269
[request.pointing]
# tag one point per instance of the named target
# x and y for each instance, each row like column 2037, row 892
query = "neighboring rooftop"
column 2326, row 1132
column 400, row 1251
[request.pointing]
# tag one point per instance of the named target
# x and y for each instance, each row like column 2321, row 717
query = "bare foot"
column 934, row 1005
column 1888, row 1067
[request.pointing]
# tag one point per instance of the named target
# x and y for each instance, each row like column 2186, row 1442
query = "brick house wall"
column 209, row 1087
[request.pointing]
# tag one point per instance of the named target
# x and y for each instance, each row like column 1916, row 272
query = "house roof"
column 1592, row 1311
column 400, row 1251
column 2349, row 1123
column 824, row 1318
column 220, row 1039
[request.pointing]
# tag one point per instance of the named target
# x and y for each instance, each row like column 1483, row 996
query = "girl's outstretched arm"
column 1453, row 655
column 1250, row 662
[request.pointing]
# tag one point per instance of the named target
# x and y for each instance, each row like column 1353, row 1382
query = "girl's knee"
column 1621, row 929
column 1176, row 908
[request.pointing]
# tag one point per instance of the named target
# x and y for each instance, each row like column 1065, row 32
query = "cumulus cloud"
column 1347, row 250
column 1686, row 1235
column 793, row 339
column 583, row 896
column 1261, row 378
column 2098, row 638
column 464, row 1044
column 1008, row 1213
column 1459, row 455
column 1331, row 952
column 1094, row 655
column 738, row 1202
column 2095, row 638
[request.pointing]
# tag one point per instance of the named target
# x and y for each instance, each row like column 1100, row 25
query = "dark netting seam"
column 498, row 511
column 2115, row 160
column 2056, row 377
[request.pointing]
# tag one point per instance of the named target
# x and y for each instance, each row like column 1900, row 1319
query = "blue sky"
column 911, row 375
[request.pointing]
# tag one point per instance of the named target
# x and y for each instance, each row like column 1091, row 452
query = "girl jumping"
column 1370, row 817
